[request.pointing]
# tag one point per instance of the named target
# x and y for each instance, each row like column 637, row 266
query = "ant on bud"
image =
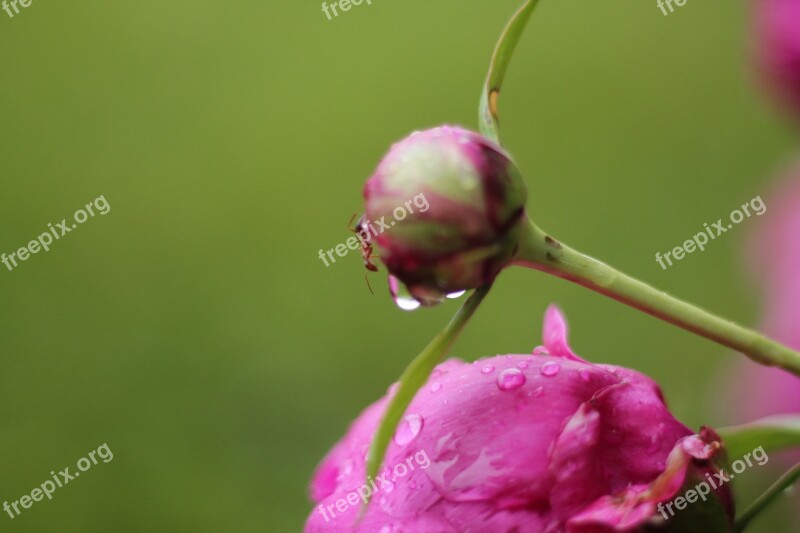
column 362, row 228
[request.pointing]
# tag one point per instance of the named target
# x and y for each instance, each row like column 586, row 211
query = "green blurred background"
column 195, row 330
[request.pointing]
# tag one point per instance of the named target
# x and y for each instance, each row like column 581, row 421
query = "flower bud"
column 445, row 205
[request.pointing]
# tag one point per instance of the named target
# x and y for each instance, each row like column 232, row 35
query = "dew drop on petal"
column 522, row 364
column 408, row 429
column 550, row 369
column 539, row 391
column 436, row 387
column 487, row 369
column 540, row 350
column 584, row 374
column 510, row 379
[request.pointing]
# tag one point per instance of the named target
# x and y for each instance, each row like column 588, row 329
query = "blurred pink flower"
column 774, row 257
column 777, row 27
column 527, row 443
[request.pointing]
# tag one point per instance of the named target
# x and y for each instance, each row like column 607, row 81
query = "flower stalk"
column 415, row 376
column 540, row 251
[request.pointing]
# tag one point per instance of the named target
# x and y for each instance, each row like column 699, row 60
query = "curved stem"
column 540, row 251
column 763, row 501
column 487, row 109
column 415, row 376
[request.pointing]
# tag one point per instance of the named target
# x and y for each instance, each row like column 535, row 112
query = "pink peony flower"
column 778, row 48
column 468, row 232
column 525, row 443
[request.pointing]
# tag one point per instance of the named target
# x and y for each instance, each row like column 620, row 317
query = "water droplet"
column 406, row 304
column 538, row 392
column 457, row 294
column 584, row 374
column 408, row 429
column 550, row 369
column 540, row 350
column 436, row 387
column 487, row 369
column 522, row 364
column 510, row 379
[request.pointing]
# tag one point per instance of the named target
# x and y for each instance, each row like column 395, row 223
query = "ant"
column 366, row 246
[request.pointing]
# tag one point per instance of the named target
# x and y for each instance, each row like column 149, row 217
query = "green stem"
column 487, row 109
column 763, row 501
column 415, row 376
column 540, row 251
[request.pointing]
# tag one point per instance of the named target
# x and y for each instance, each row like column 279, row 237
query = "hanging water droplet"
column 406, row 304
column 510, row 379
column 550, row 369
column 457, row 294
column 487, row 369
column 408, row 429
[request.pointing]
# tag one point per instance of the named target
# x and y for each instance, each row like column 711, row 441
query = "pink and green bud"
column 474, row 201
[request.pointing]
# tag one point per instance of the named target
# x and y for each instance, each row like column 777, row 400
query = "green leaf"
column 773, row 433
column 487, row 112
